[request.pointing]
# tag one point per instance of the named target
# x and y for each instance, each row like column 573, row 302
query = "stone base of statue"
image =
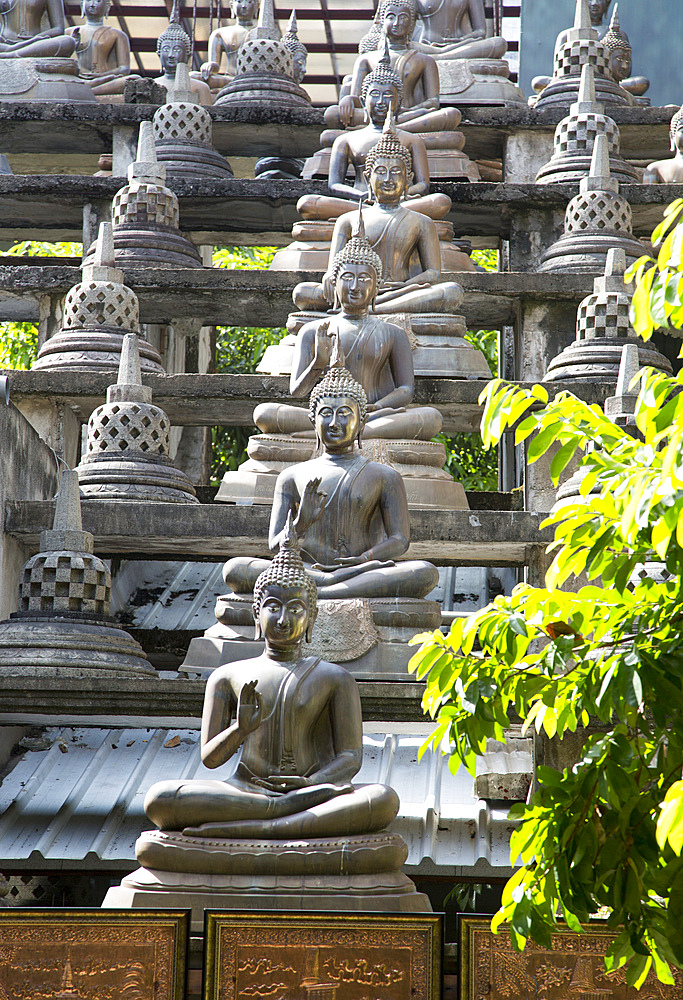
column 471, row 82
column 263, row 90
column 438, row 340
column 599, row 358
column 94, row 352
column 586, row 252
column 357, row 873
column 47, row 79
column 192, row 161
column 313, row 239
column 420, row 463
column 368, row 635
column 563, row 91
column 447, row 162
column 46, row 645
column 145, row 477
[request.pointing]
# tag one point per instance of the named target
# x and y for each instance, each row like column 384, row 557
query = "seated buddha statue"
column 417, row 71
column 296, row 720
column 669, row 171
column 34, row 28
column 224, row 44
column 350, row 514
column 398, row 235
column 620, row 54
column 103, row 52
column 377, row 353
column 457, row 28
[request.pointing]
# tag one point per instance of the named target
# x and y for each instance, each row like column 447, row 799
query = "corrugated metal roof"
column 79, row 803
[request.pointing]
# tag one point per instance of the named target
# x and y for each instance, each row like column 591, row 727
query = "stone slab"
column 198, row 400
column 219, row 531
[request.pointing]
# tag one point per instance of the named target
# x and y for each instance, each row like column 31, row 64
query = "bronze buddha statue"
column 103, row 52
column 457, row 28
column 224, row 44
column 669, row 171
column 22, row 33
column 619, row 55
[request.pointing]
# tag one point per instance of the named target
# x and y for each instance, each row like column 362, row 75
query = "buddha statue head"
column 618, row 49
column 597, row 10
column 382, row 90
column 338, row 406
column 389, row 166
column 676, row 131
column 356, row 272
column 297, row 48
column 285, row 597
column 244, row 11
column 398, row 19
column 95, row 11
column 174, row 44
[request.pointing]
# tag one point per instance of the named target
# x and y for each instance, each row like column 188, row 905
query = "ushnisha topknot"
column 287, row 569
column 338, row 381
column 291, row 38
column 357, row 251
column 175, row 32
column 676, row 123
column 389, row 145
column 615, row 38
column 383, row 73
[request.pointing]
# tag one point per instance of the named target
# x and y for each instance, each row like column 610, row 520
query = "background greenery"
column 240, row 349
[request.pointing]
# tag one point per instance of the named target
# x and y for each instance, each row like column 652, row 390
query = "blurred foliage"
column 19, row 341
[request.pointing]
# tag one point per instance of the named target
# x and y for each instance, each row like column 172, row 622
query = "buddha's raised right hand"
column 249, row 708
column 311, row 507
column 347, row 106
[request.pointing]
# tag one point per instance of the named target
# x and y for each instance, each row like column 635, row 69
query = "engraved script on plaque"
column 491, row 969
column 292, row 956
column 93, row 954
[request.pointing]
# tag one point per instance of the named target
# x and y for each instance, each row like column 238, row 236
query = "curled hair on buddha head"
column 615, row 38
column 175, row 32
column 337, row 382
column 383, row 73
column 676, row 124
column 357, row 250
column 291, row 37
column 389, row 145
column 287, row 570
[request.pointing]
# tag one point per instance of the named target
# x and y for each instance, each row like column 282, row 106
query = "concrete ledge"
column 264, row 298
column 258, row 212
column 194, row 400
column 217, row 531
column 166, row 701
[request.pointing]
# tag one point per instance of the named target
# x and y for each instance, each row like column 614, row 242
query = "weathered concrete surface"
column 29, row 470
column 216, row 531
column 258, row 212
column 215, row 296
column 163, row 701
column 212, row 400
column 61, row 128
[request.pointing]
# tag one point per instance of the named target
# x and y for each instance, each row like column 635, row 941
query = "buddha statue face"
column 356, row 287
column 389, row 179
column 95, row 10
column 283, row 615
column 677, row 139
column 299, row 60
column 398, row 22
column 171, row 52
column 337, row 422
column 379, row 98
column 597, row 10
column 620, row 63
column 244, row 10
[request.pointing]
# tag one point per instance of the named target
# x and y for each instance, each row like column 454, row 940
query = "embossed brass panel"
column 315, row 956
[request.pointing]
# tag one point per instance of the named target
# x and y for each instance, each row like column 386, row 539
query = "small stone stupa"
column 265, row 69
column 573, row 49
column 98, row 313
column 146, row 215
column 63, row 621
column 596, row 220
column 603, row 329
column 182, row 135
column 127, row 454
column 575, row 138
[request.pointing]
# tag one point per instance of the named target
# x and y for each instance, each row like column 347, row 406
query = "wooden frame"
column 322, row 956
column 491, row 969
column 92, row 953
